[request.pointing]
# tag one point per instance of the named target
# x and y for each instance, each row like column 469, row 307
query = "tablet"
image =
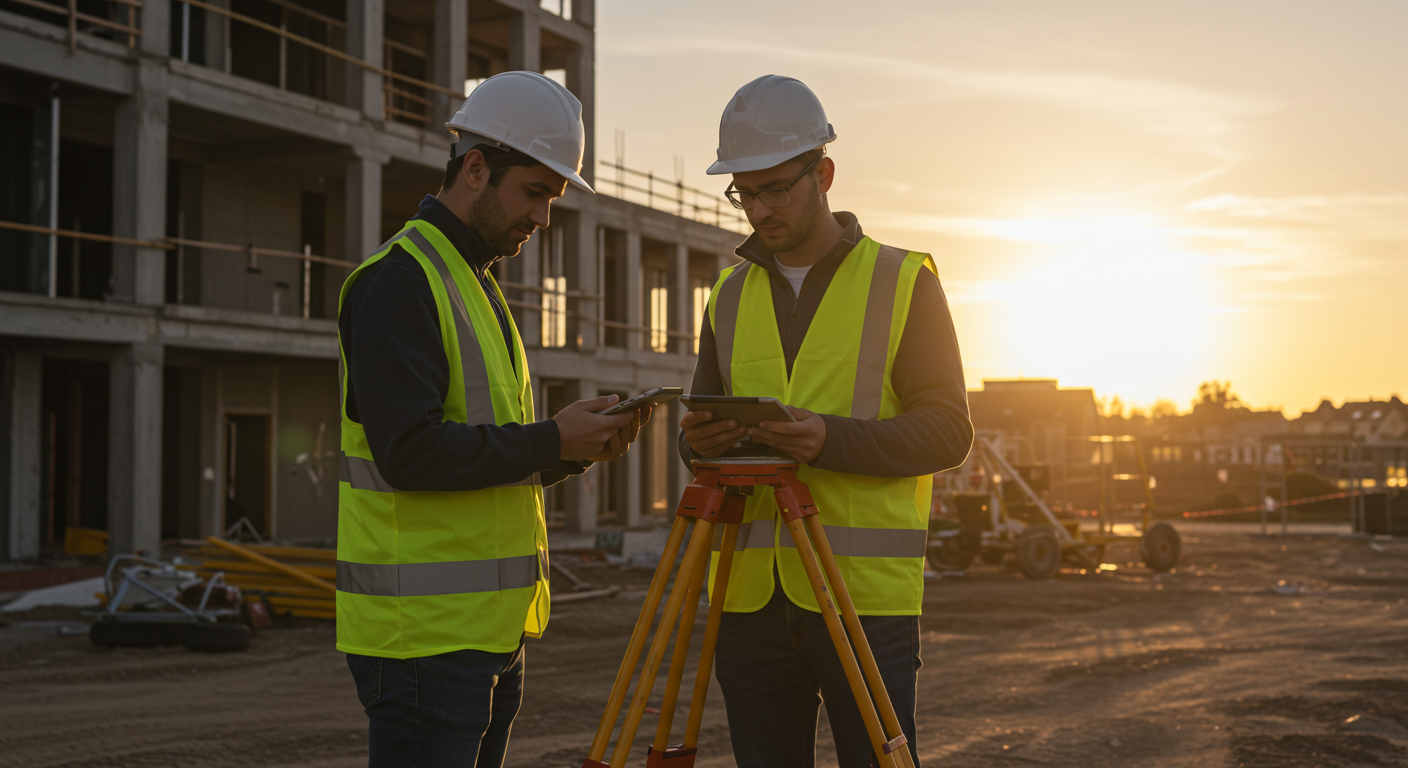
column 649, row 397
column 747, row 411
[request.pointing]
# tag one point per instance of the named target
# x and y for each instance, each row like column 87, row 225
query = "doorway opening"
column 247, row 483
column 74, row 445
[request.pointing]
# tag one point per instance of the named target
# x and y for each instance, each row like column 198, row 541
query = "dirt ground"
column 1208, row 666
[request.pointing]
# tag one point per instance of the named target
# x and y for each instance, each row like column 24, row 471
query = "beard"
column 795, row 232
column 487, row 218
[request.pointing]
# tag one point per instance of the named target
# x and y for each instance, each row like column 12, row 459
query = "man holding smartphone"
column 857, row 339
column 442, row 563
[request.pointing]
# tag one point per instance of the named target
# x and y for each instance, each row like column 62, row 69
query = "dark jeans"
column 775, row 667
column 454, row 709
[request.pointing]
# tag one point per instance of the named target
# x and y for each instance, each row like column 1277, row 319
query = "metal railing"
column 396, row 85
column 179, row 244
column 74, row 17
column 674, row 197
column 402, row 101
column 601, row 324
column 253, row 252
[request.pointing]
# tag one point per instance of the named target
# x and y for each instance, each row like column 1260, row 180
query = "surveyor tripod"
column 717, row 497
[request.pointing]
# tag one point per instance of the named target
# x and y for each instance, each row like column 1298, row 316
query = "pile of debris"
column 291, row 581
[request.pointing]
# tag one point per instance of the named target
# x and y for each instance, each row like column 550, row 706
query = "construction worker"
column 856, row 338
column 442, row 563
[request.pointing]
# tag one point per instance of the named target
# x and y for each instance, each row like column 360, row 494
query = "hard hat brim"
column 572, row 176
column 758, row 163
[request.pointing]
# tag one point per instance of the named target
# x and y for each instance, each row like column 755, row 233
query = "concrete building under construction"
column 183, row 188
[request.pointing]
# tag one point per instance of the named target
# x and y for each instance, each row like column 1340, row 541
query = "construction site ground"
column 1212, row 665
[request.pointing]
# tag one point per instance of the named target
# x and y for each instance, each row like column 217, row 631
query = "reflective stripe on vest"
column 730, row 292
column 875, row 335
column 427, row 579
column 363, row 475
column 478, row 402
column 754, row 534
column 847, row 542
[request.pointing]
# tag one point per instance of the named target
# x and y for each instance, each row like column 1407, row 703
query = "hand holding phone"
column 650, row 397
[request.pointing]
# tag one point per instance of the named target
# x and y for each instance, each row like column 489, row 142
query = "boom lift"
column 1003, row 513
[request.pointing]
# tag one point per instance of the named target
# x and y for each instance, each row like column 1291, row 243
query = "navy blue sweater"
column 398, row 378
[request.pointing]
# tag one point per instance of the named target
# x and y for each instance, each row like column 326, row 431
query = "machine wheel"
column 951, row 553
column 216, row 637
column 1038, row 552
column 132, row 634
column 993, row 556
column 1160, row 547
column 949, row 558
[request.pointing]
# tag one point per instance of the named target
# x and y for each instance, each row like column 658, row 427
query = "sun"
column 1110, row 301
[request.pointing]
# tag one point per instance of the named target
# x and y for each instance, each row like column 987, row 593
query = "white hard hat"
column 768, row 122
column 530, row 113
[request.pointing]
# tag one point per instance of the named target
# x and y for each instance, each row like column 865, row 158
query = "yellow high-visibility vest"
column 428, row 572
column 877, row 526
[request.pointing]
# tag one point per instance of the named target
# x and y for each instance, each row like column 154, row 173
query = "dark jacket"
column 933, row 432
column 398, row 378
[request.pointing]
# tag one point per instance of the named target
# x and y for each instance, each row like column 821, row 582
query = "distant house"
column 1370, row 421
column 1034, row 416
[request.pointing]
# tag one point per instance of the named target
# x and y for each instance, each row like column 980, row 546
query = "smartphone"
column 747, row 411
column 650, row 397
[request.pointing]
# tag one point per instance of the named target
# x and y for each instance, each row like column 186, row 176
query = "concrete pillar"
column 676, row 412
column 584, row 13
column 366, row 21
column 525, row 42
column 212, row 451
column 633, row 470
column 451, row 56
column 681, row 304
column 588, row 258
column 156, row 29
column 583, row 492
column 134, row 449
column 26, row 389
column 581, row 81
column 362, row 206
column 139, row 187
column 530, row 326
column 42, row 177
column 217, row 56
column 635, row 300
column 681, row 320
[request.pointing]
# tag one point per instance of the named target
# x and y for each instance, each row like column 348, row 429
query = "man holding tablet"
column 442, row 563
column 856, row 338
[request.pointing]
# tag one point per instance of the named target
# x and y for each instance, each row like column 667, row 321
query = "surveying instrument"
column 716, row 498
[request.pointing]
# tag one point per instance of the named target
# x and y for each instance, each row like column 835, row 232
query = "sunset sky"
column 1132, row 196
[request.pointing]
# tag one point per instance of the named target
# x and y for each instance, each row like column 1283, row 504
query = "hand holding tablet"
column 717, row 425
column 747, row 411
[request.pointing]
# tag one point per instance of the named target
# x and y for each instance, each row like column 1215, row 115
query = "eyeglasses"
column 772, row 198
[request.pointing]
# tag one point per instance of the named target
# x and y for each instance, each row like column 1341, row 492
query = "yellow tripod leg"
column 633, row 649
column 699, row 544
column 862, row 646
column 711, row 636
column 680, row 658
column 842, row 643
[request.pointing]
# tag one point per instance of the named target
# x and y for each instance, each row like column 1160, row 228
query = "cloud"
column 1203, row 116
column 1304, row 208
